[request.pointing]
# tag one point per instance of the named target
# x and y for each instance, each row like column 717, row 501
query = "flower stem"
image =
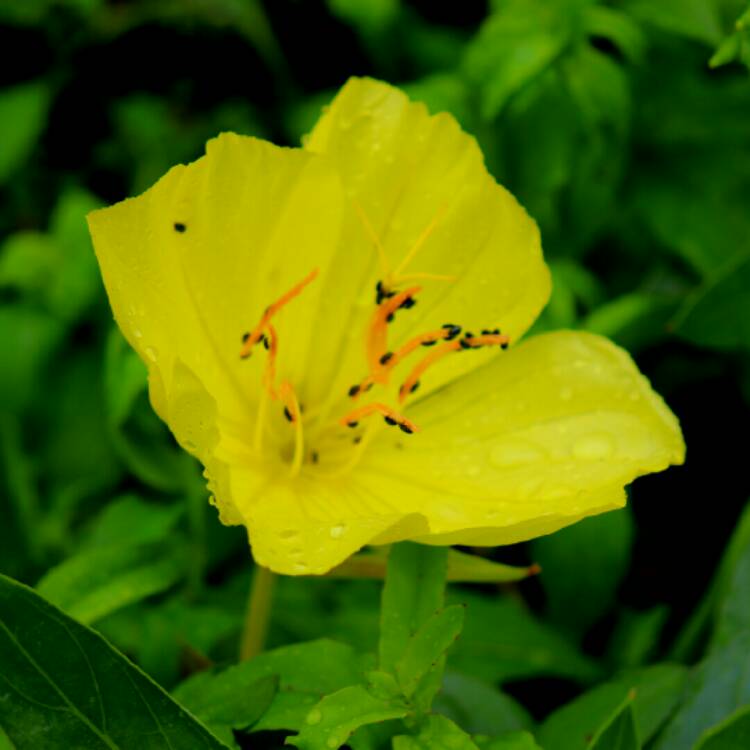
column 258, row 613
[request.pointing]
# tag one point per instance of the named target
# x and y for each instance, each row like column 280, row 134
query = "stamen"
column 468, row 341
column 293, row 414
column 378, row 334
column 250, row 339
column 423, row 237
column 391, row 416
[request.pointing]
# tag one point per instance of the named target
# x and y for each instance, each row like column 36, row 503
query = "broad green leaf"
column 427, row 647
column 330, row 723
column 731, row 734
column 584, row 562
column 503, row 641
column 618, row 28
column 414, row 590
column 436, row 733
column 23, row 115
column 658, row 690
column 367, row 16
column 718, row 687
column 717, row 315
column 28, row 260
column 479, row 707
column 620, row 732
column 99, row 581
column 228, row 701
column 637, row 635
column 733, row 614
column 63, row 686
column 306, row 672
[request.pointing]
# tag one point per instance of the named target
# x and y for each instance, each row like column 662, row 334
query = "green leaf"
column 427, row 647
column 637, row 636
column 330, row 723
column 367, row 16
column 618, row 28
column 585, row 562
column 502, row 641
column 717, row 315
column 733, row 613
column 731, row 734
column 436, row 733
column 511, row 741
column 621, row 732
column 512, row 48
column 718, row 687
column 97, row 582
column 63, row 686
column 658, row 690
column 479, row 707
column 694, row 19
column 306, row 672
column 414, row 590
column 228, row 701
column 23, row 115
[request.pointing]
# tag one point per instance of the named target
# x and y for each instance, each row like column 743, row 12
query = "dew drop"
column 300, row 567
column 635, row 396
column 138, row 333
column 189, row 445
column 514, row 454
column 152, row 353
column 593, row 447
column 314, row 717
column 333, row 742
column 288, row 534
column 338, row 531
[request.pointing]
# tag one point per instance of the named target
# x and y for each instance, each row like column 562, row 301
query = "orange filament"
column 389, row 360
column 249, row 340
column 391, row 417
column 378, row 334
column 289, row 399
column 487, row 338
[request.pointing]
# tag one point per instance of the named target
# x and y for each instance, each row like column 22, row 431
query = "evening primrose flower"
column 334, row 331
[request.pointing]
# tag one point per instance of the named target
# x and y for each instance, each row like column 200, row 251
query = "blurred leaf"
column 27, row 261
column 694, row 19
column 97, row 582
column 736, row 46
column 512, row 741
column 330, row 723
column 367, row 16
column 30, row 338
column 584, row 562
column 479, row 707
column 65, row 686
column 443, row 92
column 618, row 28
column 140, row 438
column 620, row 732
column 426, row 648
column 731, row 734
column 23, row 115
column 228, row 701
column 413, row 591
column 437, row 733
column 502, row 641
column 513, row 46
column 718, row 314
column 733, row 612
column 719, row 686
column 658, row 690
column 636, row 636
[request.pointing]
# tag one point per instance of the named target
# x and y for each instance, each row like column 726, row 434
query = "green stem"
column 258, row 613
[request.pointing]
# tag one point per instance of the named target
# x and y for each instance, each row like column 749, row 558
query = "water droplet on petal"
column 300, row 567
column 314, row 717
column 593, row 447
column 338, row 531
column 152, row 353
column 138, row 333
column 514, row 454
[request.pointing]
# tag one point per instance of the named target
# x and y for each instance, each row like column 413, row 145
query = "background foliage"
column 633, row 153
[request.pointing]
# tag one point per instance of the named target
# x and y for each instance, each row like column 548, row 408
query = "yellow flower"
column 288, row 302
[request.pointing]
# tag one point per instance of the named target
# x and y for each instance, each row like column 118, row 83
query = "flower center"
column 334, row 439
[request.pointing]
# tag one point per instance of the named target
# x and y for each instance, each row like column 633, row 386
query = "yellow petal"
column 192, row 263
column 419, row 183
column 547, row 433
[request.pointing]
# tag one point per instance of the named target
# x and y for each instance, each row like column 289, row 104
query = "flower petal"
column 410, row 175
column 192, row 263
column 544, row 435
